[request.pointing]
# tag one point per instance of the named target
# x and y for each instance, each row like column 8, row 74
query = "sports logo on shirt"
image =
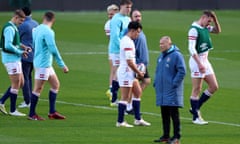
column 168, row 59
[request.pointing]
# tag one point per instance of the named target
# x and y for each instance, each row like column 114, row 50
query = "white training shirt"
column 192, row 37
column 107, row 28
column 127, row 52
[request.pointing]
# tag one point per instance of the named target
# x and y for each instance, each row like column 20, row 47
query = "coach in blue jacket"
column 168, row 84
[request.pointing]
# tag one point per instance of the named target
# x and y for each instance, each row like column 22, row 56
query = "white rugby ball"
column 141, row 67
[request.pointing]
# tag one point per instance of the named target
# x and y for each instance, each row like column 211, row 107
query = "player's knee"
column 214, row 88
column 21, row 84
column 55, row 87
column 147, row 81
column 38, row 89
column 138, row 93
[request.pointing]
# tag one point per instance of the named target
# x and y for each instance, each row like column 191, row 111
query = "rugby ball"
column 141, row 67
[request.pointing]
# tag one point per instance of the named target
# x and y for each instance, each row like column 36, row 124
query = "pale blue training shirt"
column 45, row 47
column 9, row 34
column 118, row 28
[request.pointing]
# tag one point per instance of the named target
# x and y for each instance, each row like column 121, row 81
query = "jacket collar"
column 170, row 50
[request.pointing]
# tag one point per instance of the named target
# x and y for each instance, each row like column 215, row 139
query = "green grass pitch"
column 90, row 119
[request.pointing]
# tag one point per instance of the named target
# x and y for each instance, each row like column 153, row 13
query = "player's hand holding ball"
column 142, row 68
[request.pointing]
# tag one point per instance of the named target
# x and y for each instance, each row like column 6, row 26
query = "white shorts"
column 14, row 68
column 195, row 73
column 115, row 59
column 44, row 73
column 125, row 78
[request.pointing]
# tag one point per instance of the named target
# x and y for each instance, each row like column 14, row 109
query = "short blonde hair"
column 112, row 7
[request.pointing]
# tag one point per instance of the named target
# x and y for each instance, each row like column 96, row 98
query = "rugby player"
column 142, row 55
column 111, row 11
column 45, row 50
column 119, row 27
column 199, row 44
column 129, row 85
column 12, row 50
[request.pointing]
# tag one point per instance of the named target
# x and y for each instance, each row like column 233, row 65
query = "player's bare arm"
column 217, row 27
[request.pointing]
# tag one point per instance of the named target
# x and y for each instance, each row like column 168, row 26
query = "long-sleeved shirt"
column 25, row 31
column 10, row 43
column 142, row 55
column 118, row 28
column 45, row 47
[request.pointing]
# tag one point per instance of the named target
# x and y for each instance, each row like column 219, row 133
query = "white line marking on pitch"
column 147, row 113
column 105, row 53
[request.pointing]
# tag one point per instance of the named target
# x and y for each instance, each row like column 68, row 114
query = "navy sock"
column 34, row 101
column 194, row 105
column 203, row 99
column 121, row 111
column 5, row 96
column 136, row 107
column 114, row 90
column 13, row 100
column 52, row 100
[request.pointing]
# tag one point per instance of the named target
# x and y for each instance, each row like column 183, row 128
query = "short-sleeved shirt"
column 127, row 52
